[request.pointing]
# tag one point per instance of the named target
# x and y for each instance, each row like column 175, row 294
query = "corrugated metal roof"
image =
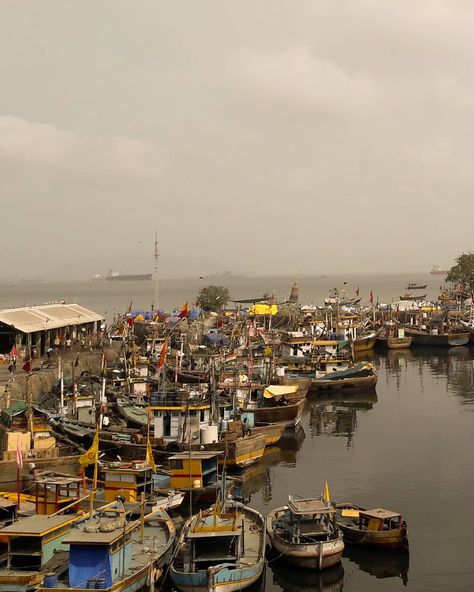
column 48, row 316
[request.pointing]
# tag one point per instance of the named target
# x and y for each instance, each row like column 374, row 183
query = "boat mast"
column 155, row 291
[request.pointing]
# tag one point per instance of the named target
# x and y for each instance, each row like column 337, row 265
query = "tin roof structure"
column 29, row 319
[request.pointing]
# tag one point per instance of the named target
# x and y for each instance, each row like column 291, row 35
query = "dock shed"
column 38, row 326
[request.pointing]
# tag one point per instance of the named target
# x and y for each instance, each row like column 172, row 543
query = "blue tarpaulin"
column 89, row 563
column 216, row 339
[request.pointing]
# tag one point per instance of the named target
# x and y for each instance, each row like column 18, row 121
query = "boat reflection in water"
column 290, row 580
column 338, row 417
column 257, row 478
column 380, row 563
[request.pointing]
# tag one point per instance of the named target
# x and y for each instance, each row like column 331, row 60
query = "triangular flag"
column 149, row 456
column 326, row 496
column 91, row 456
column 164, row 349
column 183, row 311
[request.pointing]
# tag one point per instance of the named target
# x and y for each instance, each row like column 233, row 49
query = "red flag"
column 371, row 297
column 19, row 456
column 164, row 349
column 14, row 352
column 357, row 291
column 183, row 311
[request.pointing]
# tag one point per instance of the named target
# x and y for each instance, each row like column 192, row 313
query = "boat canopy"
column 310, row 506
column 263, row 309
column 279, row 391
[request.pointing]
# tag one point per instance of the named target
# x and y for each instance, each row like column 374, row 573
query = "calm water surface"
column 409, row 448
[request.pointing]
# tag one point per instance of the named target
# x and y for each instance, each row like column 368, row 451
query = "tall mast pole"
column 156, row 292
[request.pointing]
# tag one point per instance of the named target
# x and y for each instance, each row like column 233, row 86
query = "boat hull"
column 399, row 342
column 316, row 556
column 387, row 539
column 230, row 575
column 362, row 344
column 358, row 383
column 287, row 415
column 440, row 340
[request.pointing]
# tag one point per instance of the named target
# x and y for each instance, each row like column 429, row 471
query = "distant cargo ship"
column 115, row 276
column 437, row 270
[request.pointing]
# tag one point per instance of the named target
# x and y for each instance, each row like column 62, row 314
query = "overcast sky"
column 312, row 136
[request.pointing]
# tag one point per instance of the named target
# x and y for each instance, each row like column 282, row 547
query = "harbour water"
column 408, row 449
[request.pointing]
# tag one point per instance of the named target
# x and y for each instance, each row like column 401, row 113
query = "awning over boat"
column 49, row 316
column 263, row 309
column 279, row 391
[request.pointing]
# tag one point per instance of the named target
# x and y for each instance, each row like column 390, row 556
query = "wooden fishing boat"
column 135, row 415
column 393, row 337
column 273, row 432
column 449, row 339
column 108, row 552
column 237, row 450
column 364, row 342
column 287, row 415
column 415, row 286
column 222, row 548
column 378, row 528
column 360, row 376
column 408, row 296
column 305, row 534
column 293, row 379
column 33, row 546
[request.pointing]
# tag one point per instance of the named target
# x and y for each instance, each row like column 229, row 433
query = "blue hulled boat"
column 221, row 549
column 107, row 551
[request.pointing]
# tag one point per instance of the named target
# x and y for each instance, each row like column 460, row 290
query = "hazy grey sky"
column 300, row 136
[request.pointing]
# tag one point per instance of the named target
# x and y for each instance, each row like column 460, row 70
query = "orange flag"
column 164, row 349
column 183, row 311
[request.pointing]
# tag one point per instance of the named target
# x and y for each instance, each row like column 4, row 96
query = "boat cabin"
column 33, row 541
column 297, row 347
column 129, row 480
column 179, row 417
column 100, row 549
column 190, row 470
column 310, row 519
column 379, row 520
column 55, row 491
column 214, row 539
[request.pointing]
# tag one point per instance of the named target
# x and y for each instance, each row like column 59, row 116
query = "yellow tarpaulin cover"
column 263, row 309
column 350, row 513
column 279, row 391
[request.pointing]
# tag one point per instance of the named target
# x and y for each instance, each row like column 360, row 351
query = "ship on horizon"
column 115, row 276
column 438, row 270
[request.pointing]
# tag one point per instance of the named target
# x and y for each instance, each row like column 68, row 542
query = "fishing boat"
column 359, row 376
column 415, row 286
column 305, row 534
column 393, row 336
column 413, row 297
column 222, row 548
column 364, row 342
column 435, row 337
column 288, row 415
column 378, row 527
column 34, row 546
column 108, row 551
